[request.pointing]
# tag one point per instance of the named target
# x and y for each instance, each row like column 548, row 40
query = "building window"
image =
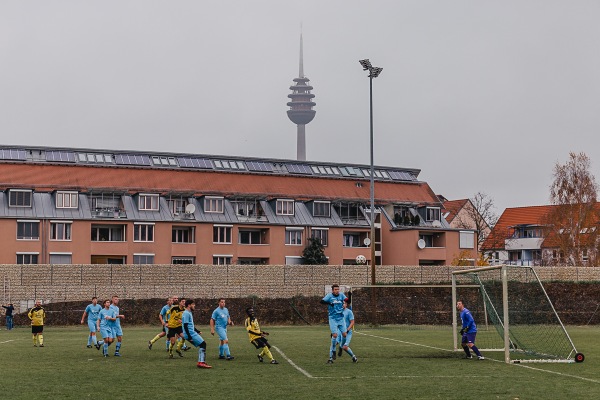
column 222, row 234
column 285, row 207
column 67, row 199
column 108, row 233
column 428, row 239
column 143, row 232
column 148, row 202
column 28, row 230
column 60, row 230
column 322, row 209
column 177, row 206
column 213, row 205
column 183, row 260
column 249, row 237
column 19, row 198
column 143, row 258
column 61, row 258
column 222, row 260
column 321, row 234
column 183, row 234
column 467, row 240
column 433, row 214
column 293, row 236
column 27, row 258
column 352, row 240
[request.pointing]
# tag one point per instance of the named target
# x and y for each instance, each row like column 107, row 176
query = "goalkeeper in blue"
column 192, row 335
column 335, row 307
column 344, row 341
column 468, row 331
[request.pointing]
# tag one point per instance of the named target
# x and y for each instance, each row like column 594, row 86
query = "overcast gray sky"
column 480, row 95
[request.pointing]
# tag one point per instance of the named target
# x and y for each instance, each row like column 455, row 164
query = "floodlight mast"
column 373, row 73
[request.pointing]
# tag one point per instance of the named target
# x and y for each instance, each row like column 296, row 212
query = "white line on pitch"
column 402, row 376
column 292, row 363
column 402, row 341
column 11, row 340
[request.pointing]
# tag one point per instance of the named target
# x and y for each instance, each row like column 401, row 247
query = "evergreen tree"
column 314, row 253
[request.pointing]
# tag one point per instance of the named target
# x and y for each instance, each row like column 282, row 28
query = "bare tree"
column 571, row 225
column 479, row 214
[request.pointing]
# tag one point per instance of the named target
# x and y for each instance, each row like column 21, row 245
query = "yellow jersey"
column 37, row 315
column 253, row 328
column 174, row 316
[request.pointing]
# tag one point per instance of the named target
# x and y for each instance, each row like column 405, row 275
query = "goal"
column 513, row 302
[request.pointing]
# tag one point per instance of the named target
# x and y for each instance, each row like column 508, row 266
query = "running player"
column 258, row 337
column 335, row 301
column 345, row 340
column 37, row 315
column 218, row 321
column 174, row 325
column 93, row 312
column 117, row 331
column 192, row 335
column 468, row 331
column 163, row 321
column 104, row 325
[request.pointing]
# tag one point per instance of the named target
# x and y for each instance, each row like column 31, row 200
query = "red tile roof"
column 76, row 177
column 514, row 216
column 453, row 207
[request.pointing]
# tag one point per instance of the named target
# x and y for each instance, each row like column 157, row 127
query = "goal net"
column 513, row 314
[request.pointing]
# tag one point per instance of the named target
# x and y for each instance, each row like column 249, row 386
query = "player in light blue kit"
column 104, row 325
column 192, row 335
column 468, row 331
column 218, row 322
column 345, row 341
column 335, row 306
column 93, row 312
column 117, row 331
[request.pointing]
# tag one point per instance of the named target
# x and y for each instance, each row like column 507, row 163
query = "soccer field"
column 394, row 362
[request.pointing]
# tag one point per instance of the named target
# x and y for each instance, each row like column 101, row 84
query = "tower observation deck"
column 301, row 104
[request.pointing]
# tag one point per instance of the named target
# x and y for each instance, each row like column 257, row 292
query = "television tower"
column 301, row 104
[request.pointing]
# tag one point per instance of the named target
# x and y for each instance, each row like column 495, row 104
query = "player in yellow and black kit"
column 175, row 329
column 257, row 337
column 37, row 315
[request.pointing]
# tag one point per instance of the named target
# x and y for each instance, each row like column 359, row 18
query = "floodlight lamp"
column 375, row 71
column 366, row 64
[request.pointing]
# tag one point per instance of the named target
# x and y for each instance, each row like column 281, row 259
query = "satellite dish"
column 367, row 241
column 421, row 244
column 436, row 223
column 190, row 208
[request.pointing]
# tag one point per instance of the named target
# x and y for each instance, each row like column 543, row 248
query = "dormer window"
column 19, row 198
column 67, row 199
column 285, row 207
column 213, row 204
column 148, row 202
column 322, row 209
column 433, row 213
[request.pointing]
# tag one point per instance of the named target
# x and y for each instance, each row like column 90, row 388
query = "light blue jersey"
column 348, row 316
column 116, row 324
column 93, row 313
column 335, row 305
column 163, row 312
column 106, row 325
column 221, row 317
column 189, row 331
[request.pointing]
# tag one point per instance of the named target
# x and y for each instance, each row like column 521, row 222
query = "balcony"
column 110, row 213
column 523, row 243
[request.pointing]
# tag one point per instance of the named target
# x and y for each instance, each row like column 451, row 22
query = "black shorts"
column 37, row 329
column 260, row 343
column 175, row 332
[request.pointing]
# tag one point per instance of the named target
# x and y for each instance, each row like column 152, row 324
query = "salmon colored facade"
column 77, row 211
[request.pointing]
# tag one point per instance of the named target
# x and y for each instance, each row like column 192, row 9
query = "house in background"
column 462, row 214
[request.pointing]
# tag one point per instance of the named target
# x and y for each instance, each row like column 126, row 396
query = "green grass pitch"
column 394, row 363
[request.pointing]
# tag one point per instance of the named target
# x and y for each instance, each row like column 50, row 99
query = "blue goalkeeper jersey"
column 93, row 312
column 468, row 323
column 335, row 305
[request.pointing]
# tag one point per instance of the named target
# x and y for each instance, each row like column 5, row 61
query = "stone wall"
column 63, row 283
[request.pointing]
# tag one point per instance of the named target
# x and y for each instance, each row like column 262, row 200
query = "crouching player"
column 192, row 335
column 257, row 337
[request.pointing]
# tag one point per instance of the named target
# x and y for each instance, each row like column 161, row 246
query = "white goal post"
column 528, row 328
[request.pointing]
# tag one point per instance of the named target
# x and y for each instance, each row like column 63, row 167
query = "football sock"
column 179, row 345
column 155, row 338
column 201, row 354
column 349, row 351
column 332, row 350
column 89, row 340
column 267, row 352
column 466, row 349
column 221, row 350
column 476, row 350
column 100, row 342
column 168, row 344
column 34, row 340
column 226, row 349
column 118, row 347
column 94, row 340
column 41, row 339
column 105, row 349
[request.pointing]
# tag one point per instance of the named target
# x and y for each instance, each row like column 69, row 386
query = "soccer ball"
column 360, row 259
